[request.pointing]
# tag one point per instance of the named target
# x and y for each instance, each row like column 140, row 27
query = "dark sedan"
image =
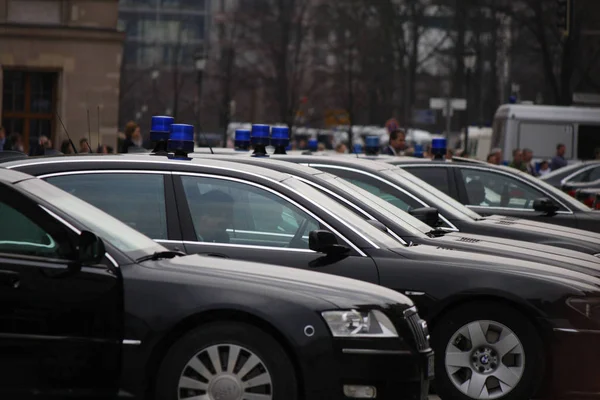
column 496, row 322
column 92, row 314
column 576, row 173
column 498, row 190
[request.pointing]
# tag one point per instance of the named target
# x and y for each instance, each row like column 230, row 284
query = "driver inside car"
column 214, row 217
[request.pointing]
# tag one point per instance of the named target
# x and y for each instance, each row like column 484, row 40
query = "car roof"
column 156, row 162
column 8, row 176
column 337, row 159
column 266, row 162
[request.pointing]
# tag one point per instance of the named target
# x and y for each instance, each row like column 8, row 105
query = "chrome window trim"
column 570, row 330
column 131, row 342
column 287, row 199
column 581, row 171
column 55, row 174
column 77, row 231
column 376, row 352
column 491, row 170
column 351, row 204
column 170, row 162
column 248, row 246
column 452, row 228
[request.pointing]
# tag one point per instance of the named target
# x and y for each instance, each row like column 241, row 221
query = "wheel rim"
column 485, row 360
column 225, row 372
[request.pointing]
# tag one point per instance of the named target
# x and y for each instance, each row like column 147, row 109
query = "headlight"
column 588, row 307
column 352, row 323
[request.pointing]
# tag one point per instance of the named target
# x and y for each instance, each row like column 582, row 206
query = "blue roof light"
column 313, row 144
column 280, row 138
column 242, row 139
column 438, row 148
column 260, row 134
column 418, row 150
column 181, row 139
column 372, row 145
column 357, row 148
column 160, row 128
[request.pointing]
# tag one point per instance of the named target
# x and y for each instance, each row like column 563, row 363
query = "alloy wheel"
column 485, row 360
column 225, row 372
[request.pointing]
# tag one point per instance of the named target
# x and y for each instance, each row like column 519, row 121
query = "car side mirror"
column 428, row 215
column 545, row 205
column 90, row 249
column 323, row 241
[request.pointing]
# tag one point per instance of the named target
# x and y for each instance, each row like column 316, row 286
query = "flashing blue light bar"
column 372, row 141
column 313, row 144
column 418, row 151
column 160, row 128
column 260, row 134
column 280, row 136
column 181, row 138
column 242, row 139
column 438, row 147
column 357, row 148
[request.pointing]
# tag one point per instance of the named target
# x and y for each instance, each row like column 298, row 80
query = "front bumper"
column 576, row 371
column 395, row 374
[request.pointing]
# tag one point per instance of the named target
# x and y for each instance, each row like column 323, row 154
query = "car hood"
column 542, row 227
column 529, row 251
column 582, row 279
column 278, row 280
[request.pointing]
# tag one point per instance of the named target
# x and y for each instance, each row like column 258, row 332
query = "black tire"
column 265, row 347
column 533, row 349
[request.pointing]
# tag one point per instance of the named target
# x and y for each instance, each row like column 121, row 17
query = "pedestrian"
column 341, row 148
column 397, row 144
column 491, row 158
column 558, row 161
column 15, row 143
column 133, row 137
column 498, row 153
column 65, row 147
column 517, row 161
column 84, row 146
column 544, row 168
column 528, row 160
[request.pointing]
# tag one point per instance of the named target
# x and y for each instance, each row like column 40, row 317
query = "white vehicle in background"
column 480, row 142
column 541, row 128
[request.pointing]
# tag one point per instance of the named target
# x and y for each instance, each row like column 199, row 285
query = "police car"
column 494, row 319
column 92, row 308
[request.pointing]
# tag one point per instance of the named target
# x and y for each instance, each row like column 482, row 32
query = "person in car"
column 214, row 215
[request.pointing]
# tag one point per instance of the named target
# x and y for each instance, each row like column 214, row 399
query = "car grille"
column 468, row 240
column 419, row 329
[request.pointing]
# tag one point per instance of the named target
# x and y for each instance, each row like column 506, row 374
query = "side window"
column 436, row 177
column 232, row 212
column 20, row 235
column 488, row 189
column 136, row 199
column 594, row 174
column 377, row 188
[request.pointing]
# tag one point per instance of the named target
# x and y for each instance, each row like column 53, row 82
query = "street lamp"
column 469, row 60
column 200, row 64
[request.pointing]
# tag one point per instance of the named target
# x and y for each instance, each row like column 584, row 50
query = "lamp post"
column 469, row 60
column 200, row 64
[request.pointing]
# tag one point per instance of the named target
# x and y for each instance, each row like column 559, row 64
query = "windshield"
column 357, row 223
column 389, row 211
column 431, row 195
column 562, row 196
column 111, row 230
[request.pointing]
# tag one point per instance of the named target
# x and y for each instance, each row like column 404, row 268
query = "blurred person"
column 449, row 154
column 39, row 149
column 397, row 144
column 544, row 168
column 110, row 150
column 15, row 143
column 215, row 215
column 517, row 161
column 492, row 158
column 65, row 147
column 528, row 160
column 321, row 146
column 558, row 161
column 133, row 137
column 84, row 146
column 499, row 156
column 102, row 149
column 2, row 138
column 341, row 148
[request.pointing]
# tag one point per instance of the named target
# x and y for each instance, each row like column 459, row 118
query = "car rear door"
column 60, row 328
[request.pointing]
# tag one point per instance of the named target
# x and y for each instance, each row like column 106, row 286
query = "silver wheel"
column 485, row 360
column 225, row 372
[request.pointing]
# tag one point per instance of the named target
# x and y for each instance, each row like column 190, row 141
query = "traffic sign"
column 442, row 104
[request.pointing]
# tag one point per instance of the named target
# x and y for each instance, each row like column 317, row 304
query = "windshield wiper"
column 437, row 232
column 160, row 254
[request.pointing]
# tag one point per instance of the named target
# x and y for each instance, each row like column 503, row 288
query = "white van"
column 480, row 142
column 542, row 128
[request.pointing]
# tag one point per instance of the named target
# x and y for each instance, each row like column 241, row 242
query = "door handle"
column 10, row 278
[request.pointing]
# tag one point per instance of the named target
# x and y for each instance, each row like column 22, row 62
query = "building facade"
column 60, row 60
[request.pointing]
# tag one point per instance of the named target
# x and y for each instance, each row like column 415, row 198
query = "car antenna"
column 89, row 131
column 98, row 125
column 68, row 137
column 207, row 142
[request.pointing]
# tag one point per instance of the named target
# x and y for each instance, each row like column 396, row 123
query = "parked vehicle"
column 576, row 173
column 477, row 304
column 92, row 308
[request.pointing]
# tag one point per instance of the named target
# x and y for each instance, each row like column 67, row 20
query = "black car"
column 408, row 228
column 499, row 190
column 576, row 173
column 496, row 322
column 406, row 191
column 95, row 314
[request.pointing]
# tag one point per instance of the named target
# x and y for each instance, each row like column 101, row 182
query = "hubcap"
column 484, row 360
column 225, row 372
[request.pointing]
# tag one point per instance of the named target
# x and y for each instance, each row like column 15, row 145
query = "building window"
column 29, row 103
column 34, row 12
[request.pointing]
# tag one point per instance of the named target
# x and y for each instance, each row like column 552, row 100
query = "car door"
column 490, row 192
column 141, row 199
column 60, row 328
column 232, row 218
